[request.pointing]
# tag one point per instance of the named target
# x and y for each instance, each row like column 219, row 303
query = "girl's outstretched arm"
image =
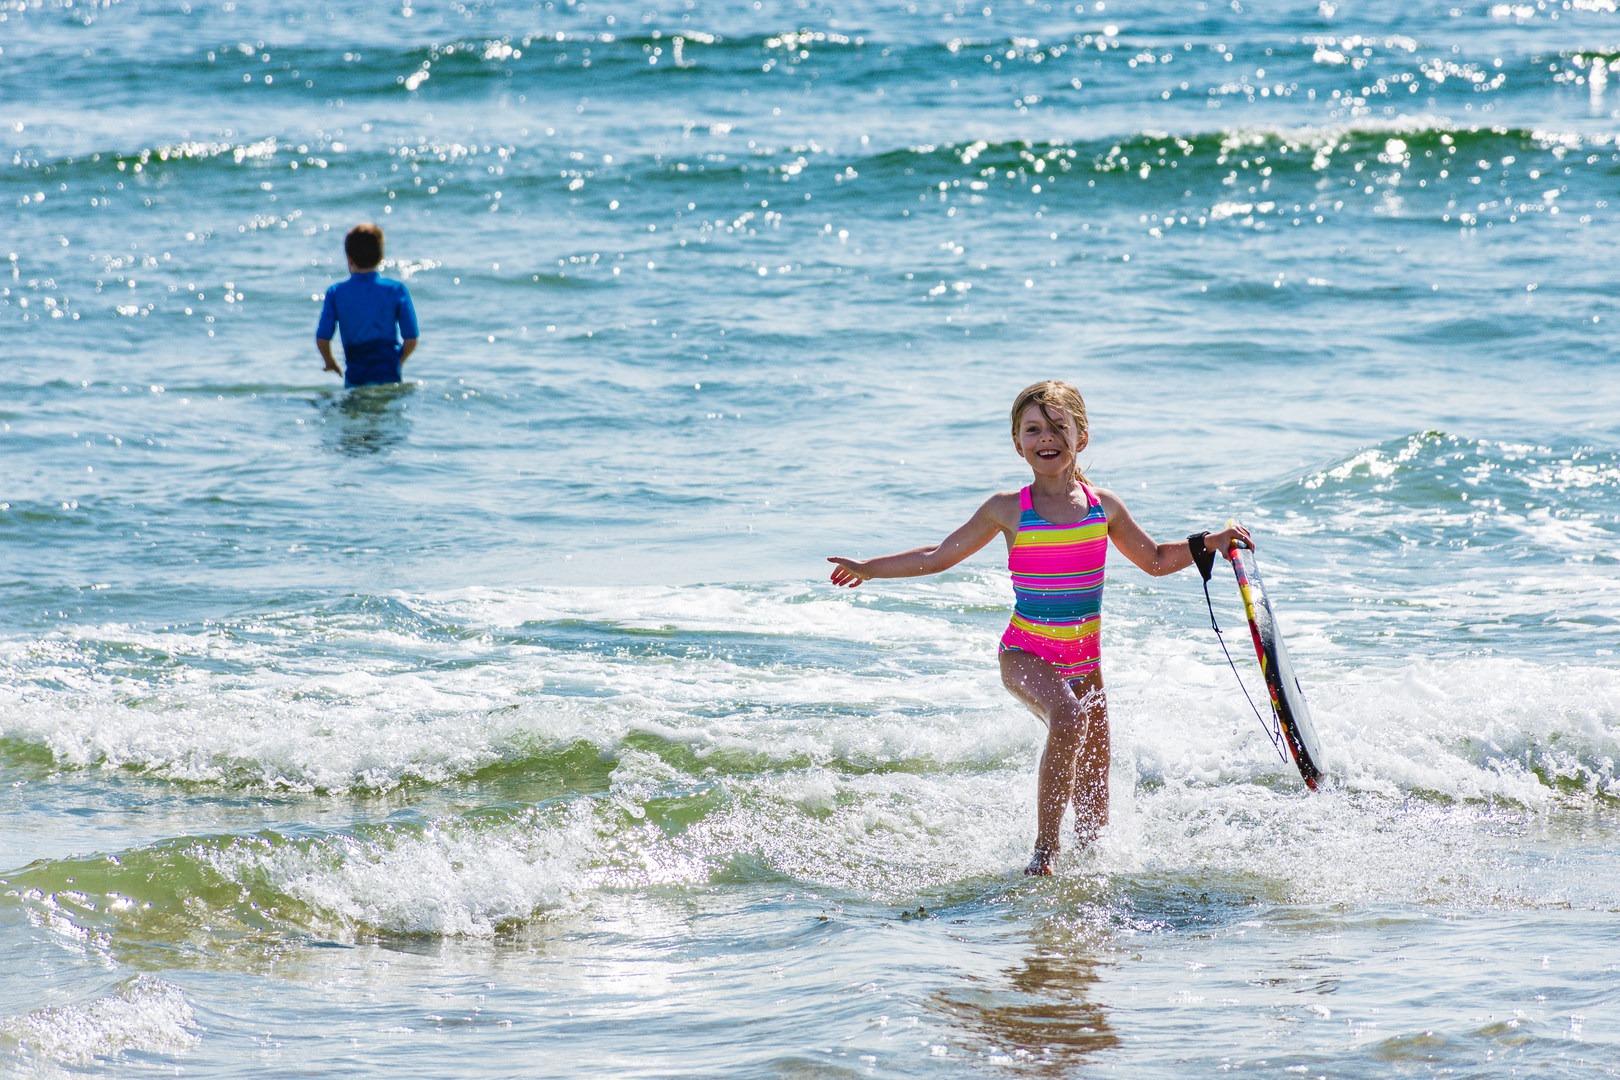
column 1159, row 559
column 990, row 519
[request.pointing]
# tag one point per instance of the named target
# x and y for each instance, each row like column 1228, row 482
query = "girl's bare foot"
column 1040, row 863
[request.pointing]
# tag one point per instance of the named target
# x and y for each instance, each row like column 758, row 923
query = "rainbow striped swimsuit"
column 1057, row 576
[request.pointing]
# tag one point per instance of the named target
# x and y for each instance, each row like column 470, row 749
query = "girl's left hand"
column 1223, row 540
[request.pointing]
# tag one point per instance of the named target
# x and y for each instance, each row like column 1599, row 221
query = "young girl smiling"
column 1057, row 531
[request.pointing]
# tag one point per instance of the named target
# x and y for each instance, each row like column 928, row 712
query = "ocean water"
column 504, row 723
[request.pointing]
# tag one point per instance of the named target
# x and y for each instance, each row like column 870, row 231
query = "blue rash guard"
column 375, row 314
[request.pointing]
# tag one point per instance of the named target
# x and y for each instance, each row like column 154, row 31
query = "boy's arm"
column 325, row 346
column 324, row 330
column 405, row 317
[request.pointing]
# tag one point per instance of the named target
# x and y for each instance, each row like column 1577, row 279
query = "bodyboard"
column 1287, row 699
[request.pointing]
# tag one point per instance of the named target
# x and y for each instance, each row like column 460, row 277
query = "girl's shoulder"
column 1005, row 507
column 1111, row 502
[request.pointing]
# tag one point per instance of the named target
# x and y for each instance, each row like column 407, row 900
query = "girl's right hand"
column 849, row 572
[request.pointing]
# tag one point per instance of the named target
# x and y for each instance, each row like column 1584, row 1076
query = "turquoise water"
column 504, row 724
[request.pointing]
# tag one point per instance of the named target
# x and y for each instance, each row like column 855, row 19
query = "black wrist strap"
column 1202, row 557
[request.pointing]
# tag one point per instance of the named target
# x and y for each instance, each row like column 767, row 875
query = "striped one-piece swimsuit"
column 1057, row 577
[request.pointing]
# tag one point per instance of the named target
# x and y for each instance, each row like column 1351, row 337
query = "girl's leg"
column 1091, row 765
column 1076, row 748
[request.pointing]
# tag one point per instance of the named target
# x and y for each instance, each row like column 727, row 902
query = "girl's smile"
column 1048, row 443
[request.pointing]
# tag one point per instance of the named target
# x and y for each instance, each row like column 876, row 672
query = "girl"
column 1057, row 531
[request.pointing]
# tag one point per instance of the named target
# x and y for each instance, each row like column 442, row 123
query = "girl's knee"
column 1067, row 725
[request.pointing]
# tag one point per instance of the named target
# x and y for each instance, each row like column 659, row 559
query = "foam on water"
column 875, row 781
column 486, row 677
column 449, row 879
column 481, row 679
column 142, row 1014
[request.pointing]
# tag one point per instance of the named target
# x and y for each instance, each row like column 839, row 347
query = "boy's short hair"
column 364, row 245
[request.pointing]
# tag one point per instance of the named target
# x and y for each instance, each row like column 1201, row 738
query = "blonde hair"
column 1053, row 394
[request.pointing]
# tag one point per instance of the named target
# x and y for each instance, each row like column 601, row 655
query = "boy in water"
column 375, row 314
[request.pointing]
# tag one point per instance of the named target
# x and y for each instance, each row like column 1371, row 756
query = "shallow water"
column 503, row 722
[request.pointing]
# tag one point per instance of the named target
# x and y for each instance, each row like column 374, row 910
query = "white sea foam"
column 1464, row 729
column 814, row 690
column 893, row 762
column 267, row 712
column 1430, row 765
column 452, row 879
column 142, row 1013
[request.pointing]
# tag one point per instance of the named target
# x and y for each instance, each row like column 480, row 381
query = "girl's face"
column 1050, row 444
